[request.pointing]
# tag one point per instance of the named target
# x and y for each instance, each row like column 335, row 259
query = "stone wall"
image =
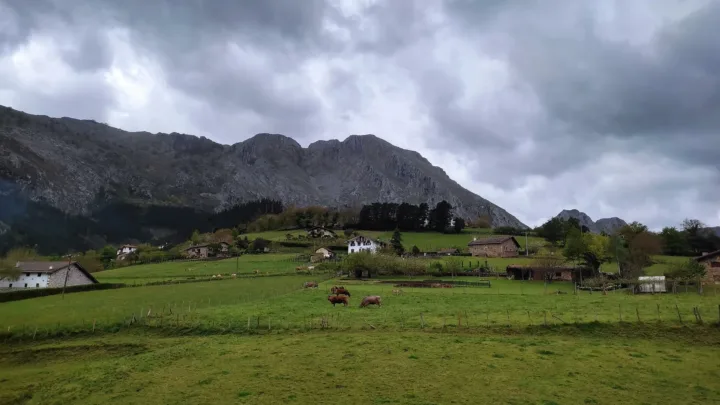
column 712, row 269
column 505, row 249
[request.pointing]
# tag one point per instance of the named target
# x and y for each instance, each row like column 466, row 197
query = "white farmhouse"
column 48, row 275
column 363, row 244
column 125, row 250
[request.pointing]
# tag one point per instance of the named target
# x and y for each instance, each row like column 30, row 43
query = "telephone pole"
column 67, row 273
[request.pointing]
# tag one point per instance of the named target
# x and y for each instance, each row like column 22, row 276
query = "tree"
column 415, row 250
column 483, row 221
column 688, row 270
column 8, row 270
column 440, row 216
column 575, row 246
column 552, row 231
column 396, row 242
column 107, row 255
column 674, row 242
column 195, row 238
column 459, row 224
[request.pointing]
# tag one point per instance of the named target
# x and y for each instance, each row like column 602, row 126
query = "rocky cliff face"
column 77, row 165
column 607, row 225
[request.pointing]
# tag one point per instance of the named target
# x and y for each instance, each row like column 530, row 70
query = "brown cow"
column 340, row 290
column 338, row 299
column 310, row 284
column 371, row 300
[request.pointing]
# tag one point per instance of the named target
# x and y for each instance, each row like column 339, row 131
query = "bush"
column 688, row 270
column 382, row 264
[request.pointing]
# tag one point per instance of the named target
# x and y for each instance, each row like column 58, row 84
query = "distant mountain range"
column 607, row 225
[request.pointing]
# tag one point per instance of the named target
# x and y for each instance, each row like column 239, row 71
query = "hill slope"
column 77, row 166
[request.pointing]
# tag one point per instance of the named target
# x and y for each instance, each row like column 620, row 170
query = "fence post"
column 678, row 313
column 620, row 312
column 422, row 321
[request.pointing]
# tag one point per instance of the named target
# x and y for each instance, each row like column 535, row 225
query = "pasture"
column 425, row 241
column 364, row 367
column 266, row 340
column 277, row 263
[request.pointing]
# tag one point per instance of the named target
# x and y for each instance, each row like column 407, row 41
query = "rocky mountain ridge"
column 78, row 165
column 607, row 225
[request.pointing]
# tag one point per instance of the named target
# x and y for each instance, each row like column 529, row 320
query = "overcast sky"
column 608, row 106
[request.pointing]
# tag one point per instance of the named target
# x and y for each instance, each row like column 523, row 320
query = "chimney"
column 17, row 264
column 474, row 237
column 704, row 253
column 50, row 268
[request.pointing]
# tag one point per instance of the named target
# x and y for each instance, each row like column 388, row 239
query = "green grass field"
column 266, row 340
column 425, row 241
column 368, row 367
column 186, row 270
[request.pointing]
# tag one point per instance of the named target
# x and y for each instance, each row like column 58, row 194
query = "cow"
column 397, row 292
column 340, row 290
column 338, row 299
column 310, row 284
column 371, row 300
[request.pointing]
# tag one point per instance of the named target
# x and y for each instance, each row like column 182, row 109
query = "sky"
column 611, row 107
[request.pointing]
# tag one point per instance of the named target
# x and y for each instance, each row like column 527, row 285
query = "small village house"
column 363, row 244
column 48, row 275
column 125, row 250
column 325, row 252
column 711, row 261
column 497, row 246
column 448, row 251
column 320, row 232
column 206, row 250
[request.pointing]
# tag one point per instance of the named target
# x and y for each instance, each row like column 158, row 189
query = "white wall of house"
column 125, row 250
column 27, row 280
column 362, row 245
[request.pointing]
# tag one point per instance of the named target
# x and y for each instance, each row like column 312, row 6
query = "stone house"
column 496, row 246
column 48, row 275
column 556, row 273
column 711, row 261
column 207, row 250
column 319, row 232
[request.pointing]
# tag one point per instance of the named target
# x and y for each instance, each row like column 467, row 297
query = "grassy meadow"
column 364, row 367
column 276, row 263
column 425, row 241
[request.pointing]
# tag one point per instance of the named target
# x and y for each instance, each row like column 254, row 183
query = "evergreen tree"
column 396, row 242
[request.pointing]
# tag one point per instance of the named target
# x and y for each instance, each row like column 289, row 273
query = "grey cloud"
column 664, row 93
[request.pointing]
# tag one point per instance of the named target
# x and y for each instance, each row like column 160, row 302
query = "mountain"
column 607, row 225
column 79, row 166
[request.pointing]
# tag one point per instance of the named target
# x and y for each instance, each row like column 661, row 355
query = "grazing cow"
column 340, row 290
column 310, row 284
column 397, row 292
column 338, row 299
column 371, row 300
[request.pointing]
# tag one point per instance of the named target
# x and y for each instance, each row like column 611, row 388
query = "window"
column 39, row 275
column 37, row 285
column 558, row 274
column 25, row 285
column 10, row 286
column 715, row 264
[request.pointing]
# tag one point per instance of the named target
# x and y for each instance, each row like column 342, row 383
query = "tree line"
column 409, row 217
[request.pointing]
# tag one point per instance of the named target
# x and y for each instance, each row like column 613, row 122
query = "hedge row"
column 41, row 292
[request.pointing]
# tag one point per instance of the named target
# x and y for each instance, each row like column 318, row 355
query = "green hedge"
column 42, row 292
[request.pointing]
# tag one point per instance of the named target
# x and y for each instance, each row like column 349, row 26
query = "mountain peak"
column 607, row 225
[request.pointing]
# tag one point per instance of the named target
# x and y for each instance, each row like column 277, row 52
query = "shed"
column 652, row 284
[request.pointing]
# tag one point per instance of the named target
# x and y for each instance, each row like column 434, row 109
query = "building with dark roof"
column 496, row 246
column 48, row 275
